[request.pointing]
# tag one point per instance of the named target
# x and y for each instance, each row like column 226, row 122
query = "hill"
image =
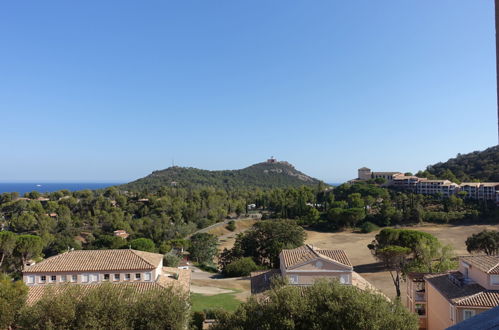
column 262, row 175
column 475, row 166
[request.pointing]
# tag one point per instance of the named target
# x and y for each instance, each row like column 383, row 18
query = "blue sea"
column 42, row 187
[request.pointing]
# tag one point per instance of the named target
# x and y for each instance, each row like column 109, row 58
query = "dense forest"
column 475, row 166
column 265, row 175
column 86, row 219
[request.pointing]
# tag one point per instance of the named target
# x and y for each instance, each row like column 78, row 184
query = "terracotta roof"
column 488, row 264
column 36, row 292
column 182, row 282
column 306, row 253
column 471, row 295
column 97, row 260
column 261, row 280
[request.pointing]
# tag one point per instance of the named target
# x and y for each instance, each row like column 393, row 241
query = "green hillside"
column 262, row 175
column 475, row 166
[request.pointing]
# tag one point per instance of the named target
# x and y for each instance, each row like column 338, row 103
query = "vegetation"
column 475, row 166
column 162, row 220
column 225, row 301
column 262, row 175
column 231, row 225
column 402, row 251
column 240, row 267
column 486, row 241
column 203, row 247
column 106, row 307
column 12, row 299
column 325, row 305
column 263, row 243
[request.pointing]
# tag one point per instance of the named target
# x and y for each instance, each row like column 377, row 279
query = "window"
column 147, row 276
column 106, row 277
column 344, row 279
column 53, row 278
column 31, row 279
column 319, row 264
column 127, row 277
column 94, row 277
column 74, row 278
column 43, row 278
column 494, row 279
column 63, row 278
column 420, row 309
column 137, row 276
column 116, row 277
column 84, row 278
column 452, row 312
column 467, row 313
column 293, row 279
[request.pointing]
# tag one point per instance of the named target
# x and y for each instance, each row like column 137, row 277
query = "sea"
column 43, row 187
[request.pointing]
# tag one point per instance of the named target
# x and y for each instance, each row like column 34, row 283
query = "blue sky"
column 112, row 90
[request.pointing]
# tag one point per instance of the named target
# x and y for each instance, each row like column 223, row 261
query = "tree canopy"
column 325, row 305
column 486, row 241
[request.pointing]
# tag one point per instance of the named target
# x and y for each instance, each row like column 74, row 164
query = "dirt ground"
column 355, row 245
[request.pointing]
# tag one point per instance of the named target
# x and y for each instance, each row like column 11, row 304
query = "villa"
column 305, row 265
column 138, row 269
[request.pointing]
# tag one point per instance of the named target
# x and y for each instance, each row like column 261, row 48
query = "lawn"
column 226, row 301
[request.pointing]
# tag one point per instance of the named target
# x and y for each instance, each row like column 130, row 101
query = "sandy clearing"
column 355, row 245
column 208, row 291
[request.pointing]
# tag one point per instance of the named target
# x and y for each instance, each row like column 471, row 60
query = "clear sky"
column 112, row 90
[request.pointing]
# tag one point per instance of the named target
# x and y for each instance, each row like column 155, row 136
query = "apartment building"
column 445, row 299
column 446, row 188
column 434, row 187
column 93, row 267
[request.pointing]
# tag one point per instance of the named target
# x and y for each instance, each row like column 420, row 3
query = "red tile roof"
column 306, row 253
column 97, row 260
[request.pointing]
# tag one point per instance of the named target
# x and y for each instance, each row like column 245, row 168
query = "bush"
column 231, row 225
column 240, row 267
column 171, row 260
column 368, row 227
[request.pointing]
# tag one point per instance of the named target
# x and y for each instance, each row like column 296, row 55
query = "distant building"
column 121, row 233
column 365, row 173
column 445, row 299
column 446, row 188
column 272, row 160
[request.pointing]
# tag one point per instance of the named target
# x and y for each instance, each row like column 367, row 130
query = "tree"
column 203, row 247
column 143, row 244
column 27, row 247
column 394, row 258
column 7, row 245
column 486, row 241
column 106, row 306
column 324, row 305
column 240, row 267
column 12, row 298
column 264, row 242
column 402, row 251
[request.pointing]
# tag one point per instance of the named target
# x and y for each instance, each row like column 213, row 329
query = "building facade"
column 445, row 299
column 94, row 267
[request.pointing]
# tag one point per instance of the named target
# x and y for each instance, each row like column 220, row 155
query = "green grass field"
column 225, row 301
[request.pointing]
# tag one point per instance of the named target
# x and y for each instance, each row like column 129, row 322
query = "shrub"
column 368, row 227
column 231, row 225
column 171, row 260
column 241, row 267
